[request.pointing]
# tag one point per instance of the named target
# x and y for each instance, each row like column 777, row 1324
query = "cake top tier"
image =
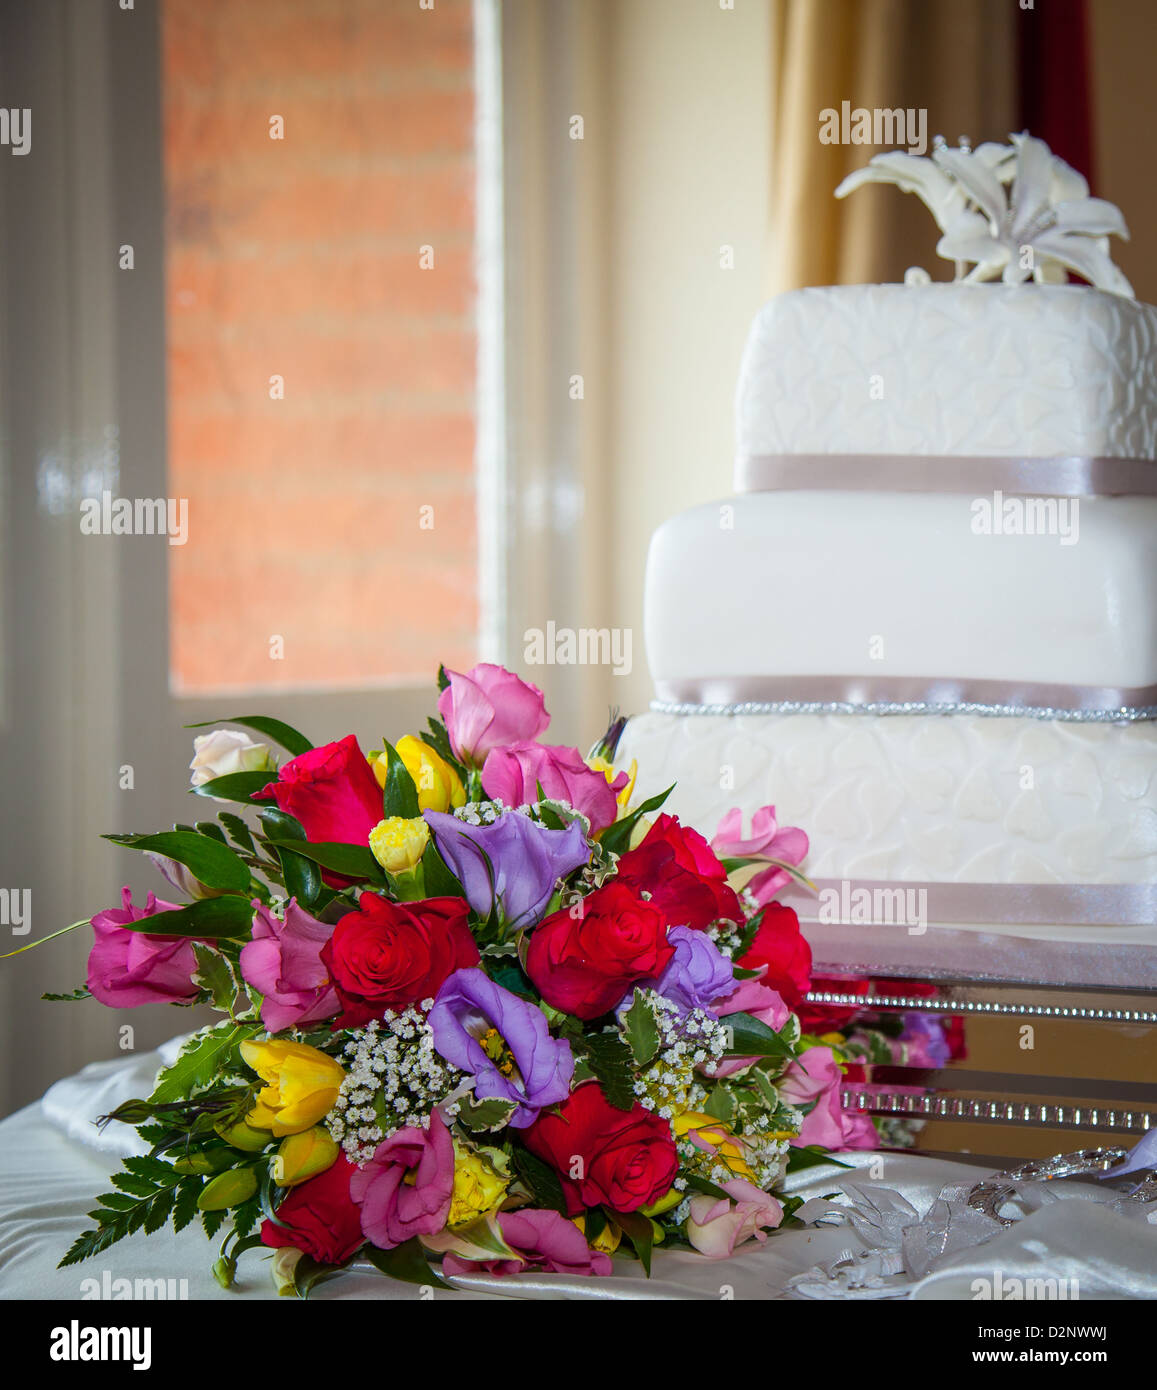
column 1028, row 371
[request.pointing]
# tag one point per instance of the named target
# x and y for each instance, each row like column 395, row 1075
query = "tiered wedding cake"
column 926, row 628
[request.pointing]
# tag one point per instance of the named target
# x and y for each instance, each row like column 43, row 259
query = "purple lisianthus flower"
column 526, row 860
column 503, row 1041
column 698, row 973
column 283, row 961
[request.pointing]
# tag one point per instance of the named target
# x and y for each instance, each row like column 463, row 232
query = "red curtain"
column 1054, row 69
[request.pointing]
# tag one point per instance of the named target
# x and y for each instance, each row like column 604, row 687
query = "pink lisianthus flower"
column 761, row 1002
column 514, row 773
column 540, row 1240
column 488, row 707
column 129, row 968
column 406, row 1187
column 283, row 961
column 766, row 841
column 715, row 1226
column 816, row 1079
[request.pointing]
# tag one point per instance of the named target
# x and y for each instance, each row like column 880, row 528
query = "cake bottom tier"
column 1033, row 828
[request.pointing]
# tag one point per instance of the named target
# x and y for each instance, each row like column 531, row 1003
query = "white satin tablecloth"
column 53, row 1163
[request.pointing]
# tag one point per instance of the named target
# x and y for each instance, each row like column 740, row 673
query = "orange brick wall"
column 300, row 258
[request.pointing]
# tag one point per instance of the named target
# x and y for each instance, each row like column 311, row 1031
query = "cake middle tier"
column 868, row 596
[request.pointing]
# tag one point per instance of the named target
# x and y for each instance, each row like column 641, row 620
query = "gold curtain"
column 958, row 61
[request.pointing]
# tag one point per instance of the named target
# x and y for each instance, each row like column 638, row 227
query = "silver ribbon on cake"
column 1070, row 475
column 883, row 695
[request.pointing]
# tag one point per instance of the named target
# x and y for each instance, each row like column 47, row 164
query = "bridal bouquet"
column 475, row 1006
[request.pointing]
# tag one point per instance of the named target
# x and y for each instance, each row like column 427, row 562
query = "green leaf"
column 212, row 917
column 399, row 796
column 150, row 1195
column 213, row 863
column 747, row 1037
column 81, row 992
column 407, row 1262
column 487, row 1115
column 238, row 831
column 638, row 1230
column 285, row 734
column 721, row 1104
column 301, row 875
column 308, row 1273
column 508, row 975
column 540, row 1179
column 812, row 1156
column 617, row 837
column 443, row 678
column 201, row 1061
column 440, row 881
column 640, row 1030
column 594, row 1223
column 185, row 1207
column 763, row 1085
column 351, row 861
column 214, row 973
column 611, row 1061
column 236, row 786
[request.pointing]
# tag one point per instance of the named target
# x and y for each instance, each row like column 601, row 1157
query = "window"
column 319, row 165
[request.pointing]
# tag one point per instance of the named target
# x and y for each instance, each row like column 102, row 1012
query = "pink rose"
column 767, row 841
column 515, row 773
column 817, row 1080
column 716, row 1226
column 488, row 707
column 129, row 968
column 283, row 961
column 542, row 1240
column 405, row 1188
column 761, row 1002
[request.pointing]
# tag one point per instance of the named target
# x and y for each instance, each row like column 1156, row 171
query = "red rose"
column 320, row 1217
column 685, row 878
column 622, row 1159
column 584, row 959
column 333, row 792
column 388, row 955
column 780, row 945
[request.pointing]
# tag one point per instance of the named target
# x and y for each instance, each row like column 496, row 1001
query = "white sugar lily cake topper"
column 1010, row 211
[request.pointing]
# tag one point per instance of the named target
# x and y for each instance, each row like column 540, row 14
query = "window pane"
column 319, row 184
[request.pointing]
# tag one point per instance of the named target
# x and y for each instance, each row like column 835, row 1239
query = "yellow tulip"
column 731, row 1151
column 304, row 1155
column 398, row 843
column 439, row 786
column 610, row 773
column 666, row 1203
column 607, row 1239
column 301, row 1085
column 481, row 1177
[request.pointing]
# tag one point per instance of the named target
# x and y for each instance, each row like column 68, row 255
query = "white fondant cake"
column 954, row 799
column 1011, row 677
column 878, row 585
column 949, row 369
